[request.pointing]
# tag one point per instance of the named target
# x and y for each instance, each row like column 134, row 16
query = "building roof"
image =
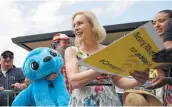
column 114, row 32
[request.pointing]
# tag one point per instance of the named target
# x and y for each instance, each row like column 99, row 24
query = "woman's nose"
column 76, row 28
column 156, row 24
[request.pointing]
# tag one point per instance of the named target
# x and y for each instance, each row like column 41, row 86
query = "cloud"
column 118, row 8
column 11, row 20
column 97, row 11
column 45, row 18
column 19, row 18
column 40, row 17
column 12, row 25
column 73, row 1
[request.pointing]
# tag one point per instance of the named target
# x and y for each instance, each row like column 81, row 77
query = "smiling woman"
column 83, row 25
column 162, row 24
column 160, row 21
column 92, row 88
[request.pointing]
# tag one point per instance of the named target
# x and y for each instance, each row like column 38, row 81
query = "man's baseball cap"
column 6, row 52
column 60, row 36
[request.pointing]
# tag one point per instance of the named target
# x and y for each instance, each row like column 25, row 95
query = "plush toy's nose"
column 47, row 59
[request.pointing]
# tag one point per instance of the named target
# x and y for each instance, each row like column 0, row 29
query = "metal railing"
column 8, row 92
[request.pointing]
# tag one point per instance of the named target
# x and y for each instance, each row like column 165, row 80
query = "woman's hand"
column 141, row 77
column 138, row 78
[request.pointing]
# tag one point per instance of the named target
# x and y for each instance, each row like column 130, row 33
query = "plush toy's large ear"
column 59, row 59
column 33, row 52
column 23, row 98
column 41, row 92
column 61, row 92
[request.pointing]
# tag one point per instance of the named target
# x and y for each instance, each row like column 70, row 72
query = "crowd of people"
column 88, row 87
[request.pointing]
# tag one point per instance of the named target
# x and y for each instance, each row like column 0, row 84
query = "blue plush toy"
column 42, row 92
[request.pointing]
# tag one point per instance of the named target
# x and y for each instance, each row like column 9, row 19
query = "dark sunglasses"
column 8, row 56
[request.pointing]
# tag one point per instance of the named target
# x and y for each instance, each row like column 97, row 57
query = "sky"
column 30, row 17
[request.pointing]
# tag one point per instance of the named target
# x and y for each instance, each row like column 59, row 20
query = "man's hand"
column 1, row 88
column 159, row 81
column 19, row 86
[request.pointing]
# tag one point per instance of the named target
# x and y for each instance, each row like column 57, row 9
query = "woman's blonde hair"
column 98, row 29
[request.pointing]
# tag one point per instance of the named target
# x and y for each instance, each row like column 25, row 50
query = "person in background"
column 60, row 42
column 10, row 77
column 162, row 23
column 163, row 28
column 89, row 87
column 166, row 55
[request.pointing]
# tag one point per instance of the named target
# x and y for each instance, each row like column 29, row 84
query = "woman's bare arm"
column 76, row 78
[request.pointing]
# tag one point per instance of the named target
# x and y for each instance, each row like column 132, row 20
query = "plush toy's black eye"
column 34, row 65
column 53, row 53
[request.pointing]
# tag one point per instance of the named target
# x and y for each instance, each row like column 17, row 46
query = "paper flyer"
column 127, row 54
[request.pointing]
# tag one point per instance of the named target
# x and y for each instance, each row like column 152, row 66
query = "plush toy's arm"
column 42, row 96
column 23, row 98
column 62, row 94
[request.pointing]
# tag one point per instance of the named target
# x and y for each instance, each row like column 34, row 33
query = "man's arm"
column 21, row 84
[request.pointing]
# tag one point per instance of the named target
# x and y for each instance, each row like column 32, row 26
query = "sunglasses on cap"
column 5, row 56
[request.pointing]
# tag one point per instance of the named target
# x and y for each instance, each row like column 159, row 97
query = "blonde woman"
column 92, row 88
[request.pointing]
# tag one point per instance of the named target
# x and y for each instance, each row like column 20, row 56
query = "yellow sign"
column 132, row 52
